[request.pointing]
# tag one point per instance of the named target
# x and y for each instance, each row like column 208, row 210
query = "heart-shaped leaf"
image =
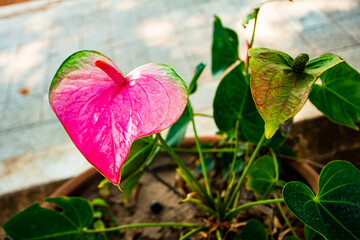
column 225, row 48
column 104, row 112
column 280, row 86
column 36, row 222
column 335, row 211
column 262, row 177
column 253, row 230
column 312, row 235
column 338, row 96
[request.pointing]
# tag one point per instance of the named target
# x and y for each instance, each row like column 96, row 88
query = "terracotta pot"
column 305, row 170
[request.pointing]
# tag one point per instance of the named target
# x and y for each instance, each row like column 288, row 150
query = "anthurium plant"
column 115, row 121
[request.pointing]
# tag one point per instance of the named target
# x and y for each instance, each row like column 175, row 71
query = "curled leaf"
column 104, row 112
column 278, row 90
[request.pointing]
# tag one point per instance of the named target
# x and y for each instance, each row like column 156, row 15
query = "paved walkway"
column 35, row 37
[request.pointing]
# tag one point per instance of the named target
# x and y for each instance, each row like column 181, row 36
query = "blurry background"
column 37, row 36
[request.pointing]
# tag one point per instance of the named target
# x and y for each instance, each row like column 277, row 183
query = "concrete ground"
column 36, row 36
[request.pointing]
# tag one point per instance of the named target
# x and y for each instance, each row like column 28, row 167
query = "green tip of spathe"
column 270, row 130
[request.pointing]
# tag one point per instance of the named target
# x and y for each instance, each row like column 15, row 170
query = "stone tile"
column 203, row 98
column 60, row 49
column 130, row 56
column 192, row 18
column 303, row 14
column 21, row 112
column 196, row 41
column 293, row 45
column 351, row 55
column 327, row 39
column 156, row 28
column 351, row 25
column 27, row 139
column 33, row 169
column 339, row 9
column 47, row 114
column 29, row 83
column 206, row 74
column 163, row 53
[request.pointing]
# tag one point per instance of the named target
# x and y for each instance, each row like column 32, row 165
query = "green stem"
column 232, row 166
column 286, row 218
column 192, row 232
column 250, row 204
column 276, row 166
column 184, row 168
column 218, row 234
column 136, row 225
column 198, row 147
column 205, row 150
column 203, row 115
column 251, row 43
column 245, row 171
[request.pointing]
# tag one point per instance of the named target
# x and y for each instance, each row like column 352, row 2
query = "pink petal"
column 103, row 112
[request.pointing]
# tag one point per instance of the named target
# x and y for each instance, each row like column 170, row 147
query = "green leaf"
column 177, row 131
column 129, row 184
column 209, row 164
column 139, row 152
column 36, row 222
column 230, row 98
column 292, row 238
column 278, row 91
column 193, row 84
column 335, row 211
column 253, row 230
column 262, row 177
column 233, row 101
column 225, row 48
column 312, row 235
column 338, row 96
column 99, row 202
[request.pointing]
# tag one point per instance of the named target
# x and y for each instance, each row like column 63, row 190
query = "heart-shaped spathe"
column 104, row 112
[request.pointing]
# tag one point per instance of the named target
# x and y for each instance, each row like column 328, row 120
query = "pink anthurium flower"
column 104, row 112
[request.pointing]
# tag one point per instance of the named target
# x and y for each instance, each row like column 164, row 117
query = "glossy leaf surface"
column 139, row 152
column 130, row 184
column 253, row 230
column 279, row 92
column 233, row 101
column 262, row 177
column 338, row 97
column 312, row 235
column 193, row 83
column 225, row 48
column 230, row 99
column 104, row 112
column 177, row 131
column 335, row 211
column 36, row 222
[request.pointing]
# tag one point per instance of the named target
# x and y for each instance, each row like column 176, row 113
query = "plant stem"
column 250, row 204
column 232, row 166
column 202, row 115
column 218, row 234
column 136, row 225
column 276, row 166
column 185, row 169
column 205, row 150
column 285, row 218
column 198, row 147
column 192, row 232
column 245, row 171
